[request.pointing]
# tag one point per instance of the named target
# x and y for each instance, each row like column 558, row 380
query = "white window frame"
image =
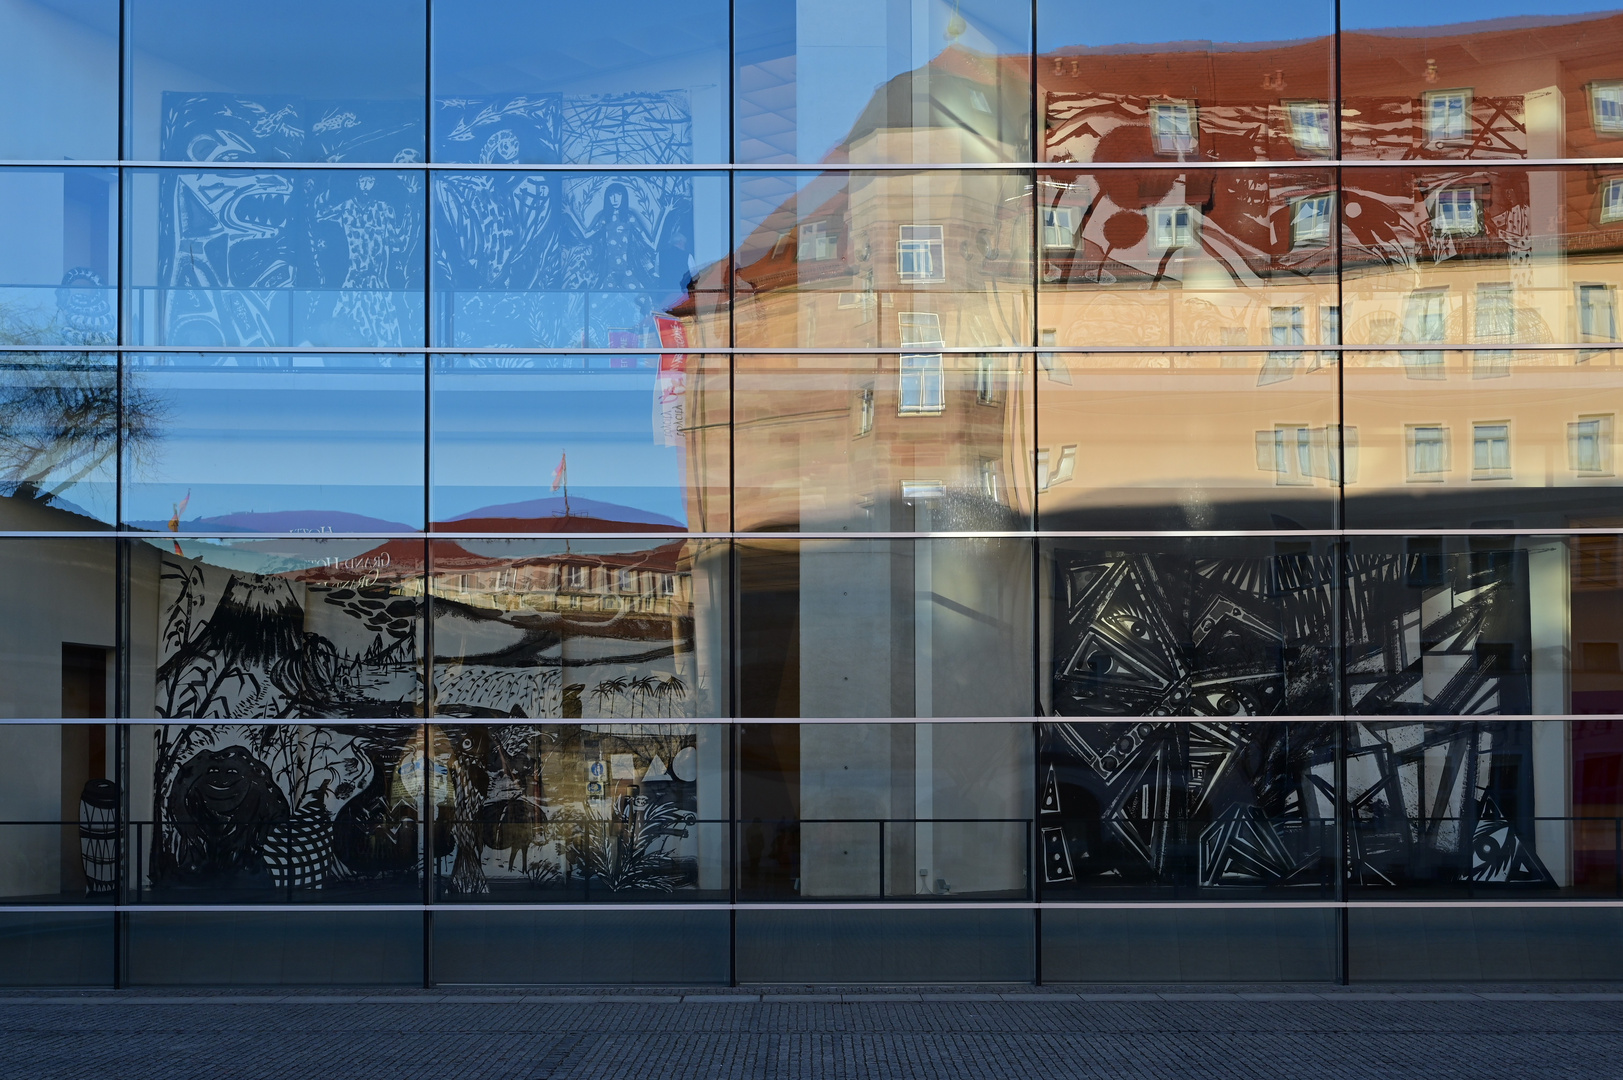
column 1311, row 128
column 1606, row 107
column 921, row 380
column 1312, row 220
column 1435, row 436
column 921, row 253
column 865, row 410
column 987, row 384
column 1172, row 226
column 1059, row 228
column 1611, row 200
column 1596, row 322
column 1451, row 124
column 1456, row 211
column 1598, row 428
column 1425, row 321
column 817, row 243
column 1495, row 436
column 1174, row 126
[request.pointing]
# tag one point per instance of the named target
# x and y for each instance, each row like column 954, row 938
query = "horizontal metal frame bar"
column 735, row 721
column 759, row 537
column 819, row 169
column 779, row 350
column 817, row 905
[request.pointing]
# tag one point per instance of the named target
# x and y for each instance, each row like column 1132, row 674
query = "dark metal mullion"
column 427, row 637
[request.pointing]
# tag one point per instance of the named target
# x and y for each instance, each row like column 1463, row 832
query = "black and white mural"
column 261, row 256
column 1223, row 801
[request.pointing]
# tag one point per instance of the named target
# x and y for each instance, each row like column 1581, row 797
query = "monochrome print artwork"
column 1220, row 801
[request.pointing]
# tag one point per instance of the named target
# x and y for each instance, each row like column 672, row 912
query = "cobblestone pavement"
column 1304, row 1033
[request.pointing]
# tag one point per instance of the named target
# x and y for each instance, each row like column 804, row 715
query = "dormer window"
column 1458, row 212
column 1172, row 127
column 1606, row 107
column 1310, row 126
column 1447, row 115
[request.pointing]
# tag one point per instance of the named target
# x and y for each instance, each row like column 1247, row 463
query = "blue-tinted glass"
column 883, row 80
column 59, row 79
column 1195, row 80
column 57, row 263
column 572, row 260
column 640, row 82
column 257, row 443
column 297, row 257
column 300, row 80
column 59, row 438
column 580, row 443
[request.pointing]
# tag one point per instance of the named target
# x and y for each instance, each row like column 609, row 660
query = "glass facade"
column 825, row 491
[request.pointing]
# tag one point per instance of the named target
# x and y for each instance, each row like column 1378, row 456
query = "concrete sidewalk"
column 1245, row 1032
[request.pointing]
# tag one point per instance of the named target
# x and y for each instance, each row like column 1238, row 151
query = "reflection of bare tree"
column 59, row 421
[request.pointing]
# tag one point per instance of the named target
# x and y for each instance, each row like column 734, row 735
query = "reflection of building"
column 1189, row 487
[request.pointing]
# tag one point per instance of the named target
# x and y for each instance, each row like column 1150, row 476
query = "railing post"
column 881, row 858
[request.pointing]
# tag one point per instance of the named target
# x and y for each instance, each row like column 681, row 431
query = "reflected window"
column 1495, row 322
column 864, row 411
column 817, row 243
column 1589, row 445
column 986, row 380
column 1286, row 327
column 1428, row 451
column 1293, row 456
column 1059, row 227
column 1597, row 319
column 1172, row 226
column 921, row 253
column 1606, row 107
column 1457, row 212
column 1425, row 319
column 1172, row 127
column 1311, row 219
column 1490, row 451
column 1611, row 200
column 989, row 481
column 1447, row 114
column 922, row 389
column 1310, row 126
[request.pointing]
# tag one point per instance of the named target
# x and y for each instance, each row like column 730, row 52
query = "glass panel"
column 883, row 260
column 1498, row 80
column 58, row 271
column 1107, row 94
column 1195, row 627
column 259, row 443
column 643, row 441
column 1480, row 255
column 1482, row 439
column 585, row 629
column 275, row 948
column 59, row 812
column 59, row 80
column 1184, row 945
column 1218, row 809
column 885, row 628
column 573, row 812
column 549, row 82
column 854, row 81
column 1480, row 625
column 307, row 80
column 301, row 628
column 1163, row 257
column 582, row 948
column 859, row 947
column 877, row 811
column 275, row 813
column 53, row 948
column 299, row 257
column 910, row 443
column 594, row 260
column 1483, row 807
column 57, row 641
column 59, row 438
column 1188, row 440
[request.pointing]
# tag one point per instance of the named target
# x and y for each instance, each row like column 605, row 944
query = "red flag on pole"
column 560, row 475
